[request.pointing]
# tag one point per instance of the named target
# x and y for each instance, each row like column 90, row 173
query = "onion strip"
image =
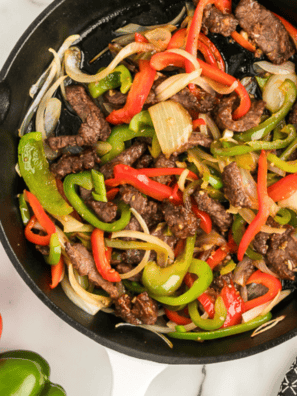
column 174, row 84
column 284, row 68
column 221, row 88
column 182, row 179
column 268, row 325
column 211, row 125
column 188, row 56
column 70, row 224
column 248, row 215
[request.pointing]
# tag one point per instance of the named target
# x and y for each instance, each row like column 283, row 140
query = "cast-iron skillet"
column 96, row 19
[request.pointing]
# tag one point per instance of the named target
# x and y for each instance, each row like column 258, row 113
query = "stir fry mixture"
column 173, row 204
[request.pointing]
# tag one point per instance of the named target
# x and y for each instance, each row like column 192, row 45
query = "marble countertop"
column 79, row 364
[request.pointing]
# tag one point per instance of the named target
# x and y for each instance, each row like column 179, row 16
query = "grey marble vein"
column 203, row 380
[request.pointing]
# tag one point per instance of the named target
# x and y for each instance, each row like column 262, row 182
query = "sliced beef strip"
column 74, row 163
column 266, row 30
column 262, row 239
column 144, row 162
column 133, row 225
column 196, row 139
column 163, row 162
column 106, row 211
column 44, row 250
column 93, row 127
column 132, row 256
column 138, row 310
column 116, row 98
column 223, row 114
column 82, row 260
column 217, row 22
column 181, row 221
column 233, row 187
column 123, row 268
column 220, row 281
column 216, row 210
column 202, row 103
column 127, row 157
column 255, row 290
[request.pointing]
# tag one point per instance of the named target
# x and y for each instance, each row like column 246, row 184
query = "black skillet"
column 96, row 19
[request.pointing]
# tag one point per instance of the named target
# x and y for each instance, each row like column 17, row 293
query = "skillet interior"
column 27, row 61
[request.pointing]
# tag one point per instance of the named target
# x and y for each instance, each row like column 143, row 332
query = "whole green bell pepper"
column 34, row 169
column 26, row 373
column 165, row 281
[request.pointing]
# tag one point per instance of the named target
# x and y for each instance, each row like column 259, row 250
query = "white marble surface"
column 80, row 365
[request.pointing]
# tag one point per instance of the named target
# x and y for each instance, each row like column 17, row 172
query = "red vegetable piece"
column 234, row 304
column 220, row 61
column 283, row 188
column 139, row 38
column 42, row 240
column 40, row 214
column 289, row 28
column 177, row 318
column 205, row 223
column 57, row 272
column 218, row 256
column 178, row 40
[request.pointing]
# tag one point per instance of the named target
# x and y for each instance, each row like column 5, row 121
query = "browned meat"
column 203, row 103
column 93, row 127
column 44, row 250
column 142, row 309
column 261, row 240
column 123, row 268
column 127, row 157
column 266, row 30
column 217, row 22
column 82, row 260
column 115, row 98
column 255, row 290
column 148, row 209
column 220, row 281
column 233, row 187
column 216, row 210
column 144, row 162
column 282, row 254
column 293, row 115
column 163, row 162
column 196, row 139
column 73, row 163
column 223, row 114
column 133, row 225
column 160, row 232
column 181, row 221
column 106, row 211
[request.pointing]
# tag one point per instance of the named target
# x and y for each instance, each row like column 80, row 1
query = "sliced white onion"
column 206, row 241
column 268, row 325
column 159, row 37
column 214, row 130
column 73, row 59
column 248, row 215
column 174, row 84
column 144, row 237
column 151, row 328
column 173, row 125
column 188, row 56
column 146, row 256
column 52, row 115
column 240, row 270
column 205, row 156
column 221, row 88
column 89, row 308
column 182, row 179
column 57, row 61
column 290, row 203
column 70, row 224
column 284, row 68
column 272, row 95
column 201, row 82
column 261, row 265
column 97, row 300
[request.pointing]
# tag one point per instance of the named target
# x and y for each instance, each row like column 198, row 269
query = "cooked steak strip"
column 74, row 163
column 220, row 281
column 223, row 114
column 144, row 162
column 255, row 290
column 115, row 98
column 106, row 211
column 163, row 162
column 266, row 30
column 93, row 127
column 233, row 187
column 139, row 310
column 217, row 22
column 82, row 260
column 196, row 139
column 181, row 221
column 127, row 157
column 124, row 267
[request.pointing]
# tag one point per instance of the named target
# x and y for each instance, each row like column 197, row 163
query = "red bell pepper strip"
column 289, row 28
column 137, row 95
column 42, row 240
column 233, row 248
column 207, row 54
column 139, row 38
column 178, row 40
column 176, row 196
column 179, row 247
column 198, row 122
column 218, row 256
column 124, row 174
column 153, row 172
column 220, row 61
column 40, row 214
column 234, row 304
column 176, row 318
column 99, row 253
column 205, row 299
column 264, row 205
column 205, row 220
column 224, row 5
column 111, row 194
column 162, row 60
column 283, row 188
column 243, row 42
column 271, row 282
column 57, row 272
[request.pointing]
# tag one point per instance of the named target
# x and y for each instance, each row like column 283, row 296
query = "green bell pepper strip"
column 120, row 77
column 238, row 229
column 255, row 145
column 289, row 166
column 228, row 268
column 293, row 221
column 262, row 81
column 283, row 216
column 220, row 333
column 99, row 186
column 24, row 210
column 209, row 324
column 35, row 171
column 205, row 277
column 133, row 286
column 141, row 121
column 55, row 250
column 165, row 281
column 259, row 132
column 289, row 150
column 84, row 179
column 162, row 253
column 26, row 373
column 119, row 135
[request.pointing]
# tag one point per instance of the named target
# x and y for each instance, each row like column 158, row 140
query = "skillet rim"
column 105, row 342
